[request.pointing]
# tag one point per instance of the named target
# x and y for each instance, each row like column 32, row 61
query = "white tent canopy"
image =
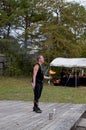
column 69, row 62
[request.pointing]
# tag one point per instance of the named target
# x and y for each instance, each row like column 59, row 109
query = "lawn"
column 20, row 89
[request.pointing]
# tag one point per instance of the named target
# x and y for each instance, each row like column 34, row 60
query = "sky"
column 82, row 2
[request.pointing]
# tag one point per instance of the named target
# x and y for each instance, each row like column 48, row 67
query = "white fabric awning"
column 69, row 62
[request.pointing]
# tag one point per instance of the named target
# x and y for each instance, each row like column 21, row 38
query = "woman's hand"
column 33, row 85
column 48, row 77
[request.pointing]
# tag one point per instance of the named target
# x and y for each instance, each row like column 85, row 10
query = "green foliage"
column 62, row 35
column 12, row 71
column 9, row 46
column 83, row 53
column 7, row 16
column 13, row 57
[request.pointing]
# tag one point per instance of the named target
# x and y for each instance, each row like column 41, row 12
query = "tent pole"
column 75, row 77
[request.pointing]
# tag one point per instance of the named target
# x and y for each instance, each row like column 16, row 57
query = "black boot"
column 36, row 108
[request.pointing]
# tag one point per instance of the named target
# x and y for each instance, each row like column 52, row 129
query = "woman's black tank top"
column 40, row 75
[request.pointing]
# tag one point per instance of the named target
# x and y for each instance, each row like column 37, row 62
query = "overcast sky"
column 82, row 2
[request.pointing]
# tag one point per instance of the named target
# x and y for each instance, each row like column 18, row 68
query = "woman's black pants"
column 37, row 92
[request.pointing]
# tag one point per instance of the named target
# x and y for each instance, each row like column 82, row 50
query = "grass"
column 20, row 89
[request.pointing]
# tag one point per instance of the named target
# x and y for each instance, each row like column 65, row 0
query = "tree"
column 51, row 27
column 74, row 17
column 64, row 31
column 7, row 17
column 29, row 16
column 22, row 16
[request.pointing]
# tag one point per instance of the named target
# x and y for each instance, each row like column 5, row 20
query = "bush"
column 12, row 71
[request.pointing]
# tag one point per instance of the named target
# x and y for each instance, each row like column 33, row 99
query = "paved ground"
column 18, row 115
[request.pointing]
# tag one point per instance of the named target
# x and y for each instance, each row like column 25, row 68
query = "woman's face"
column 41, row 59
